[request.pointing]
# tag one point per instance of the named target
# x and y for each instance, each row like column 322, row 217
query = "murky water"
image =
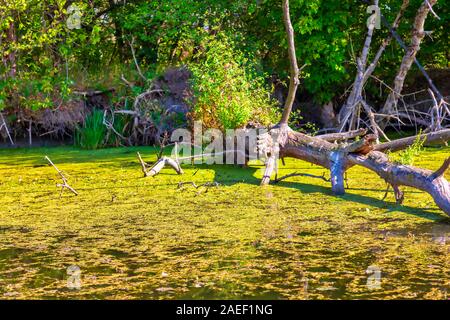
column 129, row 237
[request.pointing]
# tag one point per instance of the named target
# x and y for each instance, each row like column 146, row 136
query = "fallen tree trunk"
column 340, row 157
column 397, row 175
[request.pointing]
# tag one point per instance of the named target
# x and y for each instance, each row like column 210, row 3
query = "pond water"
column 129, row 237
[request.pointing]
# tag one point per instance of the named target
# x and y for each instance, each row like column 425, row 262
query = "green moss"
column 136, row 237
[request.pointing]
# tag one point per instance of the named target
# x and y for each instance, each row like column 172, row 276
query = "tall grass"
column 92, row 134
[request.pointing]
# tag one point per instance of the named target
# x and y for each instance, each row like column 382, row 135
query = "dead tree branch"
column 65, row 184
column 408, row 59
column 368, row 72
column 138, row 68
column 350, row 111
column 296, row 174
column 206, row 184
column 281, row 142
column 152, row 170
column 435, row 137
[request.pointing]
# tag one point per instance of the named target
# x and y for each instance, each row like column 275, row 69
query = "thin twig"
column 297, row 174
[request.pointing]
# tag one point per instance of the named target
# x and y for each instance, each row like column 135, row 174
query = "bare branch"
column 65, row 184
column 138, row 68
column 296, row 174
column 440, row 172
column 331, row 137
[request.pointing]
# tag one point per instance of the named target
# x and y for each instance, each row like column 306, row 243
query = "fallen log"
column 339, row 158
column 282, row 141
column 397, row 175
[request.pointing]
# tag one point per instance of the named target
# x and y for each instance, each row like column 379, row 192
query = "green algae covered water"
column 129, row 237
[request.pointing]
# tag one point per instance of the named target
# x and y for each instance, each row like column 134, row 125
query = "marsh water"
column 129, row 237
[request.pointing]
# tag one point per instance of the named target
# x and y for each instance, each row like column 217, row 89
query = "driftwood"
column 152, row 170
column 65, row 184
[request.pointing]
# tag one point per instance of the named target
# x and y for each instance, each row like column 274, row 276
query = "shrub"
column 227, row 87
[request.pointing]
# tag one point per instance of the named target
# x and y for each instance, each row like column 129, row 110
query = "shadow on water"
column 248, row 176
column 369, row 201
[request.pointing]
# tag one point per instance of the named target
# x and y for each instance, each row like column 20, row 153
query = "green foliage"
column 92, row 134
column 295, row 118
column 295, row 122
column 44, row 61
column 228, row 90
column 409, row 155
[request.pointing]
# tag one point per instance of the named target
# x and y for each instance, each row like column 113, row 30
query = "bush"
column 227, row 88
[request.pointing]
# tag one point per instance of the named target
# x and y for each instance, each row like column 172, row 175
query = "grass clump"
column 92, row 134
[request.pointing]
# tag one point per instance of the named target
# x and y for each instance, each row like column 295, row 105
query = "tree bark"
column 293, row 84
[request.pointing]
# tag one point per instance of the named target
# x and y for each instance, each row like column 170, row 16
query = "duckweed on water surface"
column 135, row 237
